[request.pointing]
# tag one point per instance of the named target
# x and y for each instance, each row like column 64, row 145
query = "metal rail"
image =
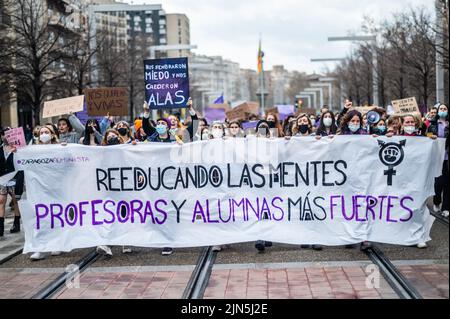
column 57, row 284
column 440, row 218
column 396, row 280
column 196, row 286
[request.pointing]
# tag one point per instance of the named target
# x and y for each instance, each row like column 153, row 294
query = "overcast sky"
column 293, row 31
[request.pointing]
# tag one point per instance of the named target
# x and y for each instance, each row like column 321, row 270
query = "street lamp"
column 440, row 91
column 373, row 40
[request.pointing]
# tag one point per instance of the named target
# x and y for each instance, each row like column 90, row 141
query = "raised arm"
column 194, row 118
column 146, row 125
column 76, row 124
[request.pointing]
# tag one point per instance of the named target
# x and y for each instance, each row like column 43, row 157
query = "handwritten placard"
column 16, row 137
column 63, row 106
column 112, row 100
column 405, row 106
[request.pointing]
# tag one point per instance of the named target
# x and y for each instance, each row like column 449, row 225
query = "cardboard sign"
column 101, row 101
column 166, row 83
column 212, row 114
column 236, row 114
column 249, row 107
column 63, row 106
column 405, row 106
column 16, row 137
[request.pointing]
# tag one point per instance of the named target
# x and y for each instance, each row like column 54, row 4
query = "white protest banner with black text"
column 301, row 191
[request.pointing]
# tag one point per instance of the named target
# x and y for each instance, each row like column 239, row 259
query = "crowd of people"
column 349, row 121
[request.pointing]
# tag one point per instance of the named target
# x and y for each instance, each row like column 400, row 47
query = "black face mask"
column 113, row 141
column 271, row 124
column 90, row 130
column 122, row 131
column 303, row 128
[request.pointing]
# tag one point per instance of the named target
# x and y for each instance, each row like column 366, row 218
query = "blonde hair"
column 54, row 139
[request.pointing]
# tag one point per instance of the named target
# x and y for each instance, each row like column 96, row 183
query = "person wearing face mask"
column 14, row 187
column 410, row 125
column 327, row 125
column 47, row 136
column 112, row 137
column 124, row 130
column 302, row 126
column 217, row 130
column 91, row 134
column 274, row 125
column 235, row 129
column 263, row 129
column 351, row 124
column 379, row 129
column 439, row 127
column 158, row 134
column 202, row 125
column 204, row 134
column 431, row 116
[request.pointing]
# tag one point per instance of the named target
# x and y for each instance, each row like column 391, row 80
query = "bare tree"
column 37, row 44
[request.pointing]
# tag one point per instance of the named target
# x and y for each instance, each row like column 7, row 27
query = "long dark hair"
column 323, row 129
column 344, row 130
column 86, row 139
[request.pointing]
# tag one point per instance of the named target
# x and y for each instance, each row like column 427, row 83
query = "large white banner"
column 301, row 191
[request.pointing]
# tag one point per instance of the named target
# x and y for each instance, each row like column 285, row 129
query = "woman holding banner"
column 235, row 129
column 439, row 126
column 302, row 126
column 92, row 134
column 274, row 124
column 13, row 187
column 47, row 136
column 351, row 124
column 327, row 125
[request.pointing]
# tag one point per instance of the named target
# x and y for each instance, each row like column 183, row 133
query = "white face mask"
column 327, row 122
column 45, row 138
column 409, row 129
column 217, row 133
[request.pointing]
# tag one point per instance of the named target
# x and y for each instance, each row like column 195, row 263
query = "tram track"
column 398, row 282
column 59, row 282
column 195, row 289
column 441, row 219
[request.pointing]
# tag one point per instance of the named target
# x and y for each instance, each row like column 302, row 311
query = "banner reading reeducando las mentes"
column 302, row 191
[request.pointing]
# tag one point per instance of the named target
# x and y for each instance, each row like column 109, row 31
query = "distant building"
column 178, row 32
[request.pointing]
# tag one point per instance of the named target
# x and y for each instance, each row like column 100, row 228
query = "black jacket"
column 433, row 128
column 7, row 166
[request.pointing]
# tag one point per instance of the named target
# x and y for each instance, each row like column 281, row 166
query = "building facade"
column 178, row 32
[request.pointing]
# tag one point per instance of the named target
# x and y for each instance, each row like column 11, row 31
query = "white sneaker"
column 104, row 250
column 56, row 253
column 422, row 245
column 436, row 208
column 445, row 213
column 38, row 256
column 217, row 248
column 126, row 250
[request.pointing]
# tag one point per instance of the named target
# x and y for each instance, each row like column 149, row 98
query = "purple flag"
column 213, row 114
column 285, row 110
column 249, row 125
